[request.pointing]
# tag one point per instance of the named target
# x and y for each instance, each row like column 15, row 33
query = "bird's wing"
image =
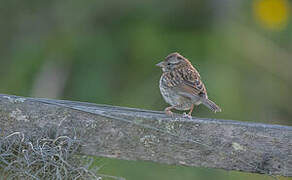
column 191, row 85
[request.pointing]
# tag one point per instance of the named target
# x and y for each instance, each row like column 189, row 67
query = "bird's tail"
column 211, row 105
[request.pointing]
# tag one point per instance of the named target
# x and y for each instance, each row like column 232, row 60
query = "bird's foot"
column 168, row 112
column 185, row 115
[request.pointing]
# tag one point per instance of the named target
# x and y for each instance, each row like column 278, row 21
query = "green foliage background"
column 105, row 52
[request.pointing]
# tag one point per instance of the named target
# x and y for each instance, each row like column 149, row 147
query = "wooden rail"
column 136, row 134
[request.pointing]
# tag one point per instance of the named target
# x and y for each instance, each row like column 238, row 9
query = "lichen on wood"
column 136, row 134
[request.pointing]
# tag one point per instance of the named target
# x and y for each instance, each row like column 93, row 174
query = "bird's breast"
column 172, row 97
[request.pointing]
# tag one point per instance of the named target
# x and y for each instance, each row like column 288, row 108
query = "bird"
column 181, row 85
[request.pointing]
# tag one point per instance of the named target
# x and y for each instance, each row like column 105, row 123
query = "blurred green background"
column 105, row 52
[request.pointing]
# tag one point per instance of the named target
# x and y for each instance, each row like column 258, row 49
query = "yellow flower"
column 272, row 14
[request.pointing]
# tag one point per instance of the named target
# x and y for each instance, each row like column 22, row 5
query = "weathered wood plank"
column 135, row 134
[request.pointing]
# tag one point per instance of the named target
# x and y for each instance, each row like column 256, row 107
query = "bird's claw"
column 185, row 115
column 168, row 113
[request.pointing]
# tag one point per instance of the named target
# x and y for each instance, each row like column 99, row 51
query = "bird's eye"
column 168, row 64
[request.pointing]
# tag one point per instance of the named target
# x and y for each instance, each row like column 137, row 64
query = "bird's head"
column 172, row 61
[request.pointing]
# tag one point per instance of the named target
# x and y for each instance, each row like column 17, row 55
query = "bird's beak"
column 160, row 64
